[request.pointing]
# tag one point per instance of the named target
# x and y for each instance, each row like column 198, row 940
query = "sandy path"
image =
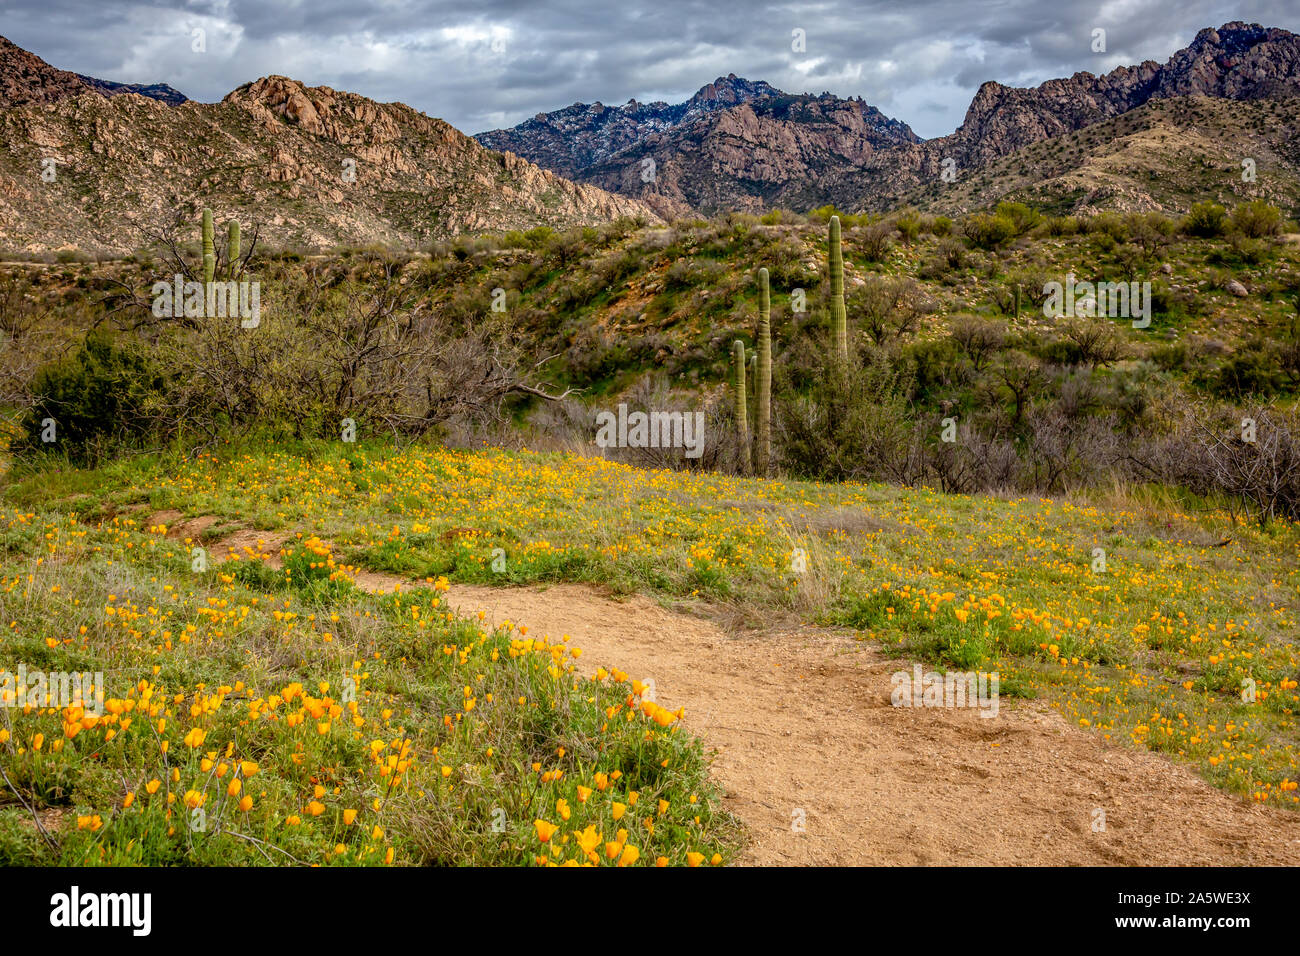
column 802, row 721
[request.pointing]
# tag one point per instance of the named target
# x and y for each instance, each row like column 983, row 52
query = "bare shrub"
column 1256, row 459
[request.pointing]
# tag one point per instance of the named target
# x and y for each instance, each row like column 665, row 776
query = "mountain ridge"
column 749, row 156
column 308, row 166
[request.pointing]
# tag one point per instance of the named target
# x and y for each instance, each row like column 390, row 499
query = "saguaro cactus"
column 740, row 401
column 839, row 315
column 232, row 246
column 763, row 414
column 209, row 249
column 752, row 398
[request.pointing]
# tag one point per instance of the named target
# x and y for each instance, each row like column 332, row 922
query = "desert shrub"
column 785, row 261
column 822, row 215
column 1251, row 455
column 693, row 274
column 715, row 443
column 1022, row 218
column 1256, row 219
column 1187, row 356
column 1008, row 221
column 593, row 356
column 852, row 422
column 980, row 339
column 875, row 240
column 534, row 238
column 948, row 260
column 886, row 308
column 986, row 231
column 1252, row 371
column 1106, row 224
column 1149, row 232
column 974, row 462
column 908, row 224
column 100, row 396
column 1093, row 341
column 1171, row 305
column 1015, row 378
column 1205, row 220
column 1060, row 225
column 941, row 367
column 1067, row 449
column 1241, row 250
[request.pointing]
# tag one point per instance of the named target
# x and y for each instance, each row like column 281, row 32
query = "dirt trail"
column 801, row 720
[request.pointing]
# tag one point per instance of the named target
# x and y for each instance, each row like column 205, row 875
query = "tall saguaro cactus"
column 839, row 315
column 740, row 401
column 209, row 249
column 763, row 414
column 232, row 246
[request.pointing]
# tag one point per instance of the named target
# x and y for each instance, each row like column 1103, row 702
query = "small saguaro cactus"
column 839, row 316
column 741, row 404
column 232, row 246
column 209, row 249
column 763, row 414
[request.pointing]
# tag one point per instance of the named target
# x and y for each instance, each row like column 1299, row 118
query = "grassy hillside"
column 613, row 303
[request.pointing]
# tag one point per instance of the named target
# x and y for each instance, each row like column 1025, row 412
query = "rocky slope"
column 1239, row 61
column 25, row 78
column 570, row 140
column 276, row 154
column 773, row 149
column 1164, row 155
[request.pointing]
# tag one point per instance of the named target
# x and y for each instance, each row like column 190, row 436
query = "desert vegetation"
column 250, row 526
column 875, row 345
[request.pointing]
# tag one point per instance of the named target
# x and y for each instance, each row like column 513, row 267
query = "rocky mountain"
column 571, row 140
column 775, row 149
column 25, row 78
column 1163, row 155
column 308, row 166
column 1238, row 61
column 735, row 144
column 155, row 91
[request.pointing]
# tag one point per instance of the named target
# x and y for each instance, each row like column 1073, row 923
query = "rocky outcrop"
column 775, row 151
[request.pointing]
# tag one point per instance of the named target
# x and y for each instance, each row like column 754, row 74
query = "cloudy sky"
column 482, row 64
